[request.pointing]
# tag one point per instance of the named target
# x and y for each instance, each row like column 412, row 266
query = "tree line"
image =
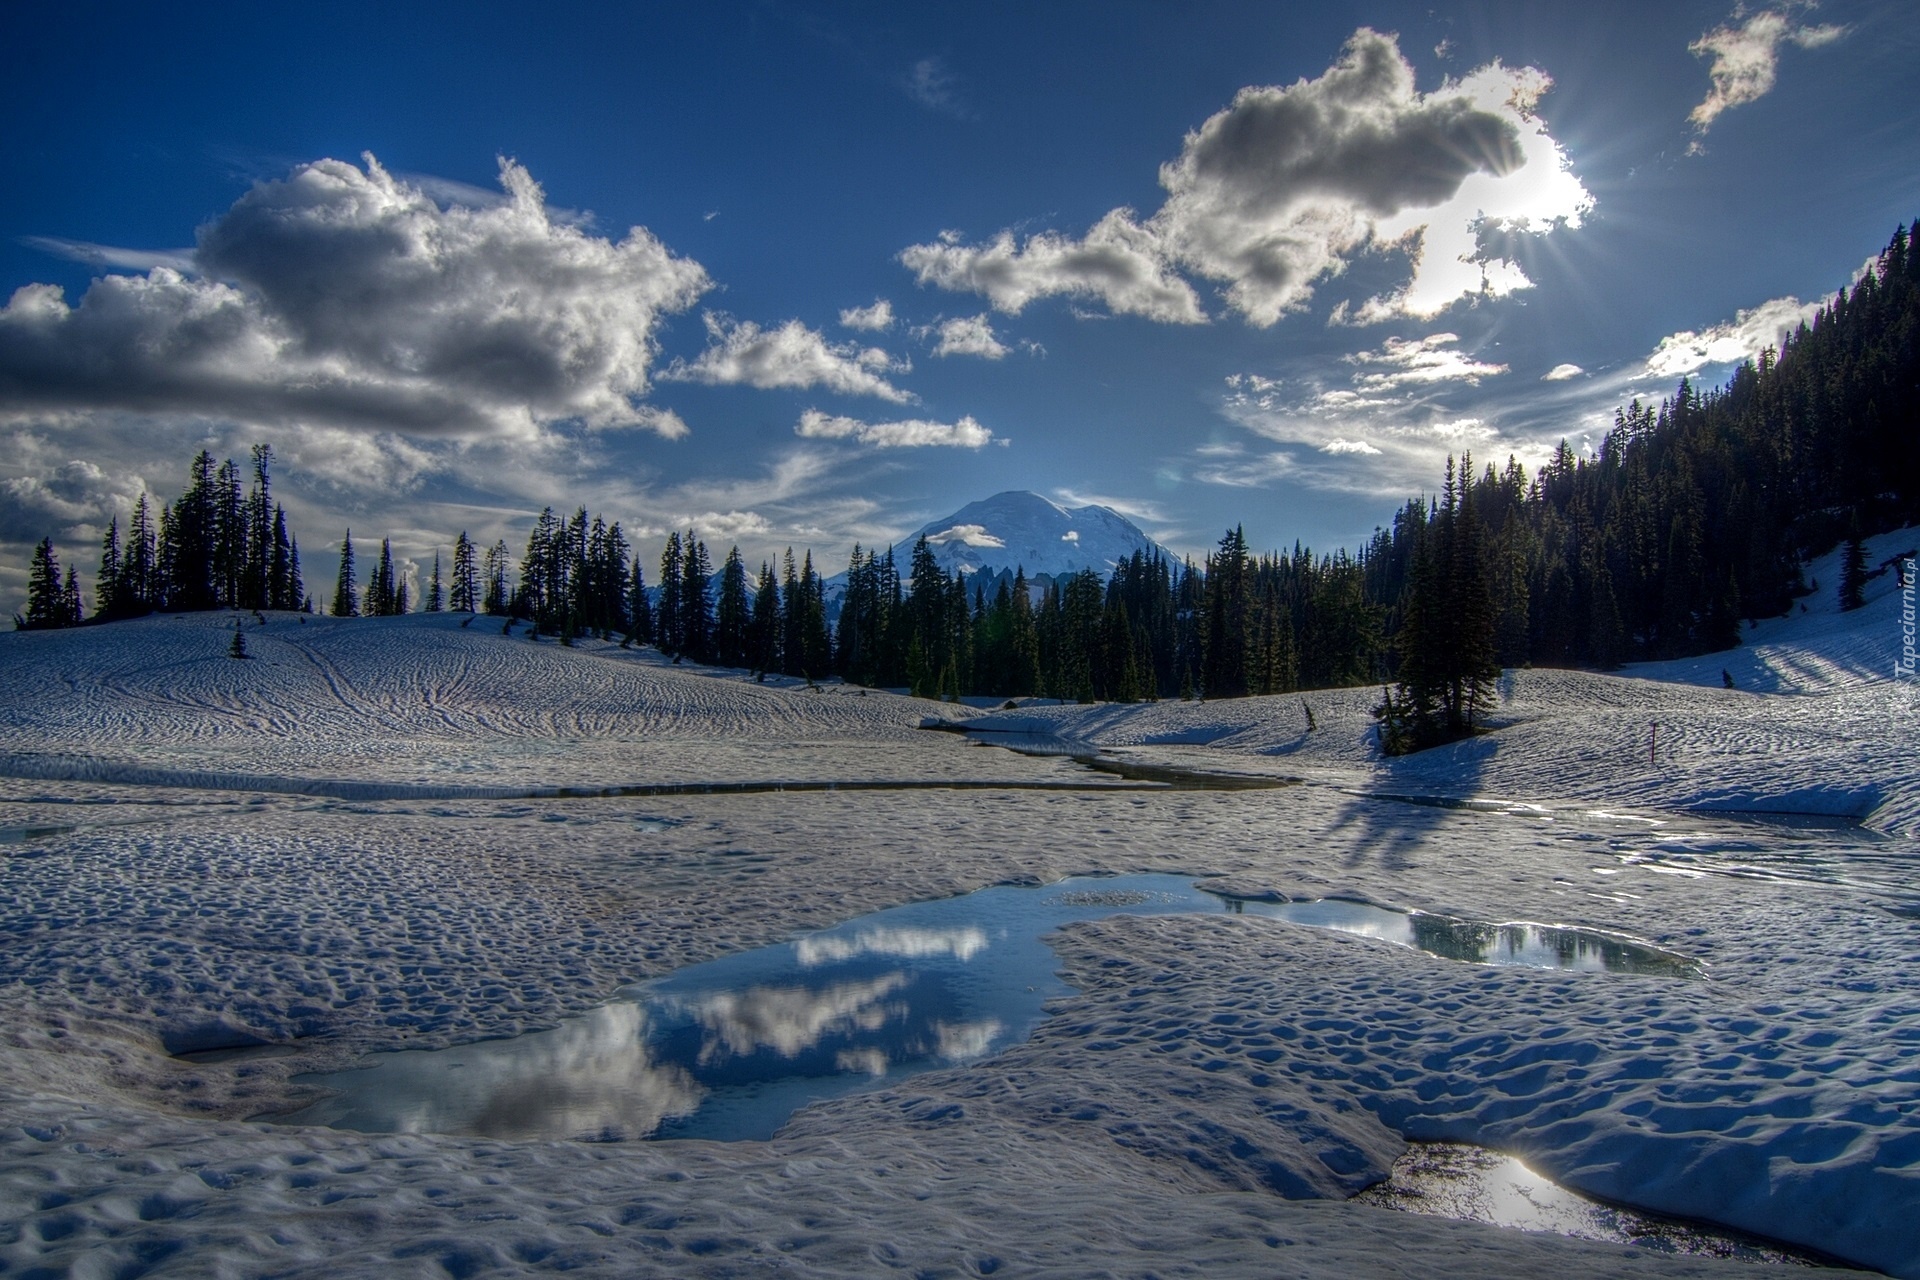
column 213, row 547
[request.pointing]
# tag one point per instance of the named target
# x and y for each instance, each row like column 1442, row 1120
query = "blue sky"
column 1209, row 264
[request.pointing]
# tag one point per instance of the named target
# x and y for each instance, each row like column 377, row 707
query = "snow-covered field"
column 353, row 842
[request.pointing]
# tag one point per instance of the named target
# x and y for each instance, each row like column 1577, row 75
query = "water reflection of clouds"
column 590, row 1077
column 791, row 1020
column 902, row 943
column 964, row 1041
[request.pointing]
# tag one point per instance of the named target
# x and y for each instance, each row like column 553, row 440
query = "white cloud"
column 1406, row 362
column 351, row 299
column 726, row 527
column 967, row 535
column 660, row 420
column 1338, row 445
column 877, row 318
column 968, row 336
column 1746, row 58
column 72, row 496
column 1282, row 188
column 1561, row 372
column 909, row 434
column 791, row 356
column 1118, row 262
column 1742, row 338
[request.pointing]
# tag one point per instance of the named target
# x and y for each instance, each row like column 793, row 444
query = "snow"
column 354, row 843
column 1017, row 529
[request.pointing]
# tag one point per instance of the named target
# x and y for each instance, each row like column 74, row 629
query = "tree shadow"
column 1407, row 801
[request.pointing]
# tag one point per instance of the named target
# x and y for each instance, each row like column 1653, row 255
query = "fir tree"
column 763, row 642
column 108, row 582
column 46, row 596
column 465, row 593
column 1853, row 573
column 496, row 602
column 696, row 609
column 733, row 614
column 669, row 619
column 436, row 595
column 346, row 600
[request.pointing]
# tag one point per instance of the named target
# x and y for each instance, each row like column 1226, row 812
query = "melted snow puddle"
column 1454, row 1180
column 732, row 1048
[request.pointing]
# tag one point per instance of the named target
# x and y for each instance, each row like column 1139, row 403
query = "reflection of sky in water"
column 731, row 1048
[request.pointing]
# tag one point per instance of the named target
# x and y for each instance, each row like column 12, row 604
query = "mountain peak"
column 1019, row 529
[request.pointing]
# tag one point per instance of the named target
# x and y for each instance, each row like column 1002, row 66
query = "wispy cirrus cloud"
column 1385, row 431
column 1412, row 361
column 934, row 86
column 1280, row 190
column 1744, row 59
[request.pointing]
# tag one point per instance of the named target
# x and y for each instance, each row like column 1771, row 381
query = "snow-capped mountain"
column 1018, row 529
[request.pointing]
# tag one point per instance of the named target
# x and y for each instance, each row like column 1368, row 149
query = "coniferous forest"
column 1690, row 518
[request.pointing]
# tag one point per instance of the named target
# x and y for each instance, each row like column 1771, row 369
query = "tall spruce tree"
column 696, row 606
column 464, row 596
column 346, row 598
column 46, row 594
column 669, row 619
column 732, row 613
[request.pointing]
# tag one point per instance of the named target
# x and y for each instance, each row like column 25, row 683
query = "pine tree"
column 296, row 597
column 496, row 602
column 381, row 600
column 138, row 591
column 346, row 601
column 72, row 609
column 696, row 609
column 1853, row 573
column 238, row 649
column 436, row 595
column 669, row 619
column 107, row 584
column 283, row 573
column 46, row 596
column 733, row 614
column 764, row 631
column 465, row 593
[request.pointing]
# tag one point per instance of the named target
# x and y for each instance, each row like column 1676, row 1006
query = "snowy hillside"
column 1018, row 529
column 426, row 700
